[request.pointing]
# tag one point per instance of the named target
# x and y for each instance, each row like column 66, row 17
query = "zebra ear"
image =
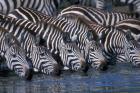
column 90, row 36
column 66, row 37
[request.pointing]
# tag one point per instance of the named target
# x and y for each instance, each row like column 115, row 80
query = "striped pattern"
column 98, row 16
column 57, row 43
column 15, row 56
column 117, row 46
column 75, row 26
column 132, row 25
column 48, row 7
column 41, row 59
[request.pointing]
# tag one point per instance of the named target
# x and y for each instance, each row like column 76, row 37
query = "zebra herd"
column 34, row 37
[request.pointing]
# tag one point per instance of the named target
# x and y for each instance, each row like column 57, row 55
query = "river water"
column 121, row 78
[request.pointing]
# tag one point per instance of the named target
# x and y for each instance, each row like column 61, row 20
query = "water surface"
column 122, row 78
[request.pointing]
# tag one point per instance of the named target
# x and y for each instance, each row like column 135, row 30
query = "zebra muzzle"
column 57, row 70
column 84, row 66
column 103, row 66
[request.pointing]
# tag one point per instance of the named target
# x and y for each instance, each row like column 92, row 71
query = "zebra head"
column 42, row 59
column 94, row 53
column 16, row 58
column 133, row 50
column 70, row 54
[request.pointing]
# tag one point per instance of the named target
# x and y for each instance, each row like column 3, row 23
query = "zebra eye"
column 92, row 49
column 70, row 51
column 131, row 48
column 14, row 55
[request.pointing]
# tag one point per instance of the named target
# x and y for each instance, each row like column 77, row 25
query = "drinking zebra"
column 118, row 45
column 58, row 43
column 132, row 25
column 73, row 25
column 14, row 55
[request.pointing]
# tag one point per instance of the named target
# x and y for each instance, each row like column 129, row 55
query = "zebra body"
column 74, row 26
column 57, row 42
column 15, row 56
column 98, row 16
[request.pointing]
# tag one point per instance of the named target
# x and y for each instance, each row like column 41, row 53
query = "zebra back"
column 98, row 16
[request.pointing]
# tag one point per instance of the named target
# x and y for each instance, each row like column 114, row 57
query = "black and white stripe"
column 117, row 45
column 68, row 24
column 41, row 58
column 98, row 16
column 132, row 25
column 48, row 7
column 57, row 42
column 15, row 56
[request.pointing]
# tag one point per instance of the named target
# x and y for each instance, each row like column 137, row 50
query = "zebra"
column 118, row 46
column 133, row 54
column 93, row 53
column 132, row 25
column 41, row 58
column 14, row 55
column 57, row 42
column 48, row 7
column 98, row 16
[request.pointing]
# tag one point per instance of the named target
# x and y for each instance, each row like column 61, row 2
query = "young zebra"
column 132, row 25
column 117, row 44
column 90, row 48
column 57, row 42
column 98, row 16
column 15, row 56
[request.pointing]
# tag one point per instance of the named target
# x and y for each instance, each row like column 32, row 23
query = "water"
column 121, row 78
